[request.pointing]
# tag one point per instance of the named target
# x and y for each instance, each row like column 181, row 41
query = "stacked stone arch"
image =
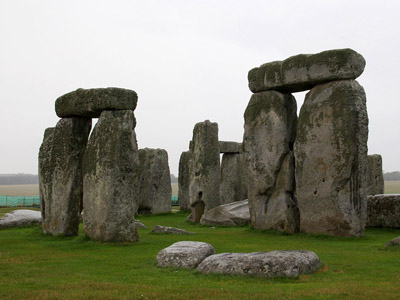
column 100, row 174
column 315, row 179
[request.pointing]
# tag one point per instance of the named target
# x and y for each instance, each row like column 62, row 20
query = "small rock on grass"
column 170, row 230
column 394, row 242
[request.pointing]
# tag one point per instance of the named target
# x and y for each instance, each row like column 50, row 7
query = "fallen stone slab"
column 91, row 102
column 185, row 254
column 20, row 217
column 170, row 230
column 383, row 210
column 302, row 72
column 232, row 214
column 230, row 147
column 262, row 264
column 394, row 242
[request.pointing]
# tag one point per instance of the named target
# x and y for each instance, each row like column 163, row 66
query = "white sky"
column 187, row 60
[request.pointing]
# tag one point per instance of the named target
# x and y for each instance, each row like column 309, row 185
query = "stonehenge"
column 308, row 173
column 102, row 174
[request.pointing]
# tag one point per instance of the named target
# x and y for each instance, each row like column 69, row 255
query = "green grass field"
column 36, row 266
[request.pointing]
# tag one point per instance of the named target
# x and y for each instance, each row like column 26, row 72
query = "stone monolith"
column 269, row 133
column 61, row 175
column 331, row 158
column 375, row 181
column 184, row 181
column 233, row 186
column 155, row 182
column 205, row 177
column 111, row 174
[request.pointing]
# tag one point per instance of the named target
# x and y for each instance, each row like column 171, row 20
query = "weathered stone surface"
column 269, row 133
column 375, row 182
column 230, row 147
column 111, row 173
column 45, row 169
column 61, row 175
column 233, row 186
column 232, row 214
column 331, row 159
column 155, row 182
column 184, row 181
column 205, row 177
column 384, row 210
column 20, row 217
column 184, row 254
column 90, row 103
column 302, row 72
column 170, row 230
column 394, row 242
column 262, row 264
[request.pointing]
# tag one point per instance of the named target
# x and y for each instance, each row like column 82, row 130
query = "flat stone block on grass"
column 232, row 214
column 384, row 210
column 20, row 217
column 262, row 264
column 170, row 230
column 185, row 254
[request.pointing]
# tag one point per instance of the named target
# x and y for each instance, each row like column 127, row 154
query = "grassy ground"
column 35, row 266
column 392, row 187
column 20, row 190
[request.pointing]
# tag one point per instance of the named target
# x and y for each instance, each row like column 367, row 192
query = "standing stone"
column 384, row 210
column 233, row 185
column 375, row 182
column 61, row 175
column 184, row 181
column 205, row 177
column 155, row 182
column 110, row 181
column 269, row 133
column 302, row 72
column 45, row 169
column 331, row 159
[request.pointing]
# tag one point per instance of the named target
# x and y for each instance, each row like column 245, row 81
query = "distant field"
column 19, row 190
column 392, row 187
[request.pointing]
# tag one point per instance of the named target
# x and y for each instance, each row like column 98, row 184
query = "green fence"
column 9, row 201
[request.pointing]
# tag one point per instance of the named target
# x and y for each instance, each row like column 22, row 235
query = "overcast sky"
column 187, row 60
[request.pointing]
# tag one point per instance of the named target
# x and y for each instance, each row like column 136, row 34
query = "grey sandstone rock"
column 233, row 185
column 139, row 224
column 61, row 175
column 155, row 182
column 232, row 214
column 375, row 182
column 302, row 72
column 45, row 169
column 185, row 254
column 184, row 181
column 262, row 264
column 331, row 157
column 91, row 102
column 384, row 211
column 20, row 217
column 111, row 173
column 170, row 230
column 230, row 147
column 394, row 242
column 205, row 177
column 269, row 133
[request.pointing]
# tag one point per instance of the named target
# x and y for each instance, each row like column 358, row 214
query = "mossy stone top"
column 90, row 103
column 302, row 72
